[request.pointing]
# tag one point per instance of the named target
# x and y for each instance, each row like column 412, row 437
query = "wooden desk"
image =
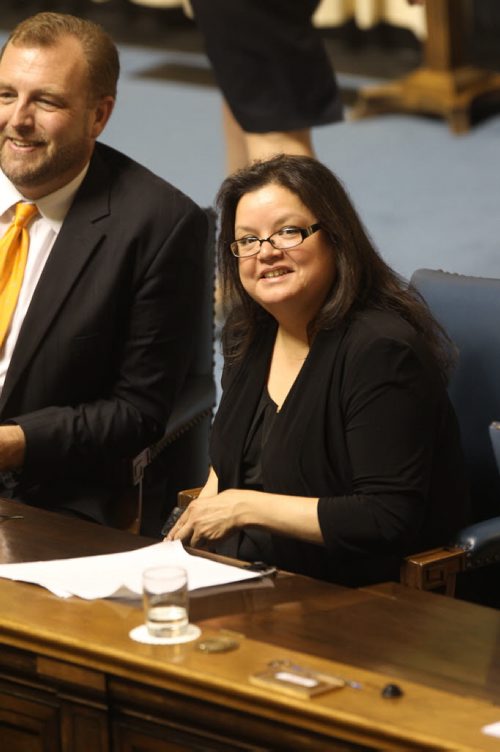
column 71, row 680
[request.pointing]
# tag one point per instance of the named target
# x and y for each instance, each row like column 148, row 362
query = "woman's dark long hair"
column 362, row 278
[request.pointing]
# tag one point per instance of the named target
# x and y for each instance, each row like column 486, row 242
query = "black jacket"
column 368, row 428
column 105, row 342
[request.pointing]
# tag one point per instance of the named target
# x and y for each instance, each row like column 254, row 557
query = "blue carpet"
column 428, row 198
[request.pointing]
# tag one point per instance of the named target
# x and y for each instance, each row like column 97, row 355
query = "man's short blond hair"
column 46, row 29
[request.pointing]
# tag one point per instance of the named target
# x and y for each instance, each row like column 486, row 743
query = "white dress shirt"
column 43, row 231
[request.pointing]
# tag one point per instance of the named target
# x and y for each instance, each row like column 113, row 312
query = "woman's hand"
column 208, row 518
column 212, row 517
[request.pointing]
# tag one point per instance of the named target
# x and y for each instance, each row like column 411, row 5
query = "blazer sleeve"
column 391, row 406
column 150, row 355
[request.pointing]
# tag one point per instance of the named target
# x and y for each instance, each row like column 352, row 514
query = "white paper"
column 120, row 575
column 492, row 729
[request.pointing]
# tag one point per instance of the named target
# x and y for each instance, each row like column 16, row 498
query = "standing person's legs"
column 234, row 139
column 243, row 148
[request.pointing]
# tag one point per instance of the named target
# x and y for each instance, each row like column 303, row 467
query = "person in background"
column 274, row 73
column 96, row 298
column 335, row 450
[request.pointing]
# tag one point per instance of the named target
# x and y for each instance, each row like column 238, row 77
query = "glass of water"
column 166, row 601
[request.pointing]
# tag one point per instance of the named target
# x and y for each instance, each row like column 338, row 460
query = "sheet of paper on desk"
column 119, row 575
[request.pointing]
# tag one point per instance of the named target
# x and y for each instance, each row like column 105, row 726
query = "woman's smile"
column 275, row 273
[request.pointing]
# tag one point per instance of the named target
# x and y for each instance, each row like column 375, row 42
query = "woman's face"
column 294, row 282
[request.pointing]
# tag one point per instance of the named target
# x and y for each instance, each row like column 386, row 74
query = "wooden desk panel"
column 72, row 664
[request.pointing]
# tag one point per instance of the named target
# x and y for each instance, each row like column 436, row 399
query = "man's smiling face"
column 48, row 122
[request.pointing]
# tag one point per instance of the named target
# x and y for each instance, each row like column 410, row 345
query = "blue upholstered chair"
column 469, row 310
column 495, row 441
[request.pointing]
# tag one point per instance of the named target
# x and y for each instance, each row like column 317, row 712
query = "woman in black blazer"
column 335, row 449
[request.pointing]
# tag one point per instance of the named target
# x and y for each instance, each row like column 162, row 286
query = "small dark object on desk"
column 392, row 690
column 261, row 567
column 4, row 517
column 217, row 645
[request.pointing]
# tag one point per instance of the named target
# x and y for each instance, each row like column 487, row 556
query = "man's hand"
column 12, row 447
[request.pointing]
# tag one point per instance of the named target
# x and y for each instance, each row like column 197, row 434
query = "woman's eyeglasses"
column 283, row 240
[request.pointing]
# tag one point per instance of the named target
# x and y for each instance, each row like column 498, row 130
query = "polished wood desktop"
column 72, row 680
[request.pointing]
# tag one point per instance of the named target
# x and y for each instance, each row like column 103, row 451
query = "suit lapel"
column 78, row 239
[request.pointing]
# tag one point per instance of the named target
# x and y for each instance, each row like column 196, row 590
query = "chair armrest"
column 184, row 498
column 474, row 546
column 433, row 570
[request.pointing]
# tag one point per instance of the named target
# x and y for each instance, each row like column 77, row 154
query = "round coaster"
column 141, row 634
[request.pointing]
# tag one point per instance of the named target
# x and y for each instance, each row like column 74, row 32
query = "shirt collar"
column 53, row 207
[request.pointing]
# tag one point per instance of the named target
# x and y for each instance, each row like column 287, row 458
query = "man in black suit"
column 99, row 340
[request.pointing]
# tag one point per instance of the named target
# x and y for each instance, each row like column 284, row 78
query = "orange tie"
column 13, row 256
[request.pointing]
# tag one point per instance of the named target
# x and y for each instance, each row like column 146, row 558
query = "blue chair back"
column 495, row 441
column 468, row 308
